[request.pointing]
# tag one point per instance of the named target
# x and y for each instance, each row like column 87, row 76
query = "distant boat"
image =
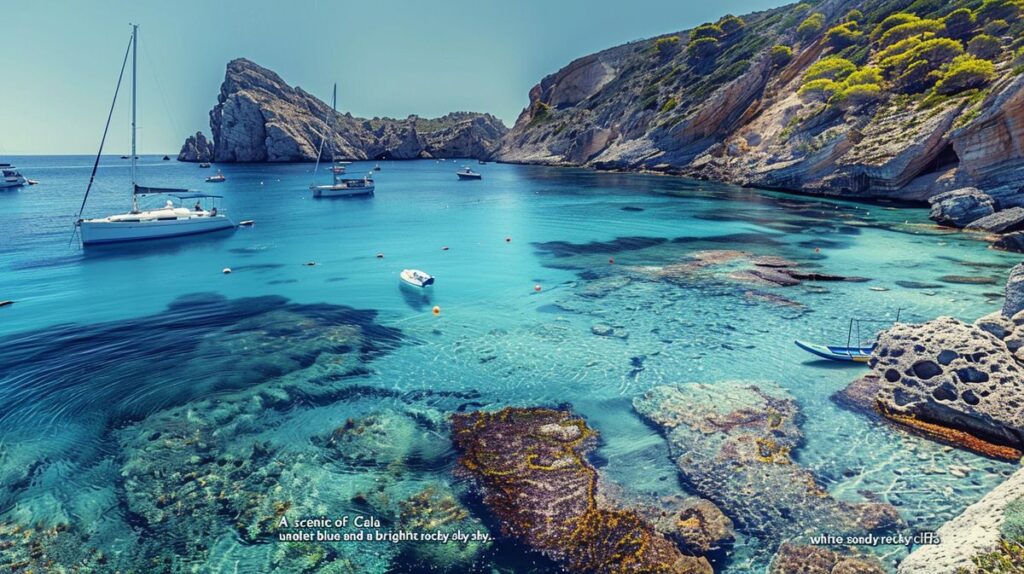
column 481, row 162
column 339, row 187
column 376, row 167
column 466, row 173
column 11, row 177
column 124, row 157
column 167, row 158
column 219, row 178
column 204, row 164
column 416, row 278
column 168, row 221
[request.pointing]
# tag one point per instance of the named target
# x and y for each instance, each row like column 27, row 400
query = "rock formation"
column 260, row 118
column 531, row 465
column 196, row 149
column 960, row 207
column 736, row 100
column 803, row 559
column 732, row 442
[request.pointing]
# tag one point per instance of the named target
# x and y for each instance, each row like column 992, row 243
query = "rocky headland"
column 260, row 118
column 857, row 98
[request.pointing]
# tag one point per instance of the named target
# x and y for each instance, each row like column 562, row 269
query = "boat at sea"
column 466, row 173
column 858, row 347
column 11, row 177
column 170, row 220
column 218, row 178
column 339, row 187
column 416, row 278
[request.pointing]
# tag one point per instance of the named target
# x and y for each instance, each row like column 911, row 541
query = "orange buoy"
column 817, row 250
column 437, row 310
column 611, row 261
column 537, row 287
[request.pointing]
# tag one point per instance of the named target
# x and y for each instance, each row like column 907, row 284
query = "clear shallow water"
column 92, row 355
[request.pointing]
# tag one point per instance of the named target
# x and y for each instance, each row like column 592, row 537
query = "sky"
column 394, row 58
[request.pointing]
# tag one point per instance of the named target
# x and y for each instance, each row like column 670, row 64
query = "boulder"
column 1011, row 242
column 1014, row 302
column 954, row 381
column 733, row 442
column 960, row 207
column 1003, row 221
column 696, row 524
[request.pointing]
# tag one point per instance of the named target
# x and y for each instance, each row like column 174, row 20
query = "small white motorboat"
column 416, row 278
column 466, row 173
column 219, row 178
column 11, row 177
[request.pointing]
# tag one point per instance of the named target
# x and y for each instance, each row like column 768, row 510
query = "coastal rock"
column 436, row 509
column 996, row 323
column 1011, row 242
column 1014, row 302
column 960, row 207
column 953, row 381
column 260, row 118
column 531, row 465
column 696, row 524
column 733, row 441
column 976, row 531
column 989, row 147
column 804, row 559
column 1000, row 222
column 196, row 149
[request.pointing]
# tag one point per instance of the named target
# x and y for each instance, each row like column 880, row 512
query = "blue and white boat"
column 340, row 186
column 11, row 177
column 837, row 353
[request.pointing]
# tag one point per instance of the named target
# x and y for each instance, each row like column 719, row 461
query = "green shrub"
column 996, row 27
column 916, row 28
column 857, row 95
column 985, row 47
column 702, row 48
column 830, row 68
column 966, row 72
column 811, row 27
column 731, row 24
column 959, row 23
column 781, row 55
column 666, row 46
column 854, row 15
column 706, row 31
column 821, row 90
column 864, row 76
column 998, row 10
column 669, row 105
column 844, row 35
column 931, row 53
column 918, row 77
column 901, row 47
column 892, row 21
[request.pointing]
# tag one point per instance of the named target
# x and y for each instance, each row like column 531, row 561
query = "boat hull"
column 100, row 232
column 330, row 191
column 469, row 176
column 836, row 353
column 11, row 183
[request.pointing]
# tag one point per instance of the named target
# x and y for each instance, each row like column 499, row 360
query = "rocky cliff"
column 867, row 98
column 260, row 118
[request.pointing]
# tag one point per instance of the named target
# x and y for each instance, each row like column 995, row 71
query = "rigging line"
column 152, row 69
column 110, row 114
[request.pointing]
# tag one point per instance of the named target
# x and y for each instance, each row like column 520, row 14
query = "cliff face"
column 864, row 98
column 260, row 118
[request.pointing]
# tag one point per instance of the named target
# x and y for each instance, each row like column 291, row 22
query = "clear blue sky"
column 390, row 58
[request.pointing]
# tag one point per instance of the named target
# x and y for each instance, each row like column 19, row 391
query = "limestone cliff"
column 866, row 98
column 260, row 118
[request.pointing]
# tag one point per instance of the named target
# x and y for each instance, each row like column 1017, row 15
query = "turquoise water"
column 110, row 344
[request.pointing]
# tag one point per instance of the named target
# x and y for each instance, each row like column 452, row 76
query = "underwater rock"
column 531, row 465
column 696, row 524
column 967, row 280
column 959, row 207
column 804, row 559
column 56, row 549
column 732, row 442
column 1014, row 302
column 952, row 381
column 977, row 530
column 438, row 509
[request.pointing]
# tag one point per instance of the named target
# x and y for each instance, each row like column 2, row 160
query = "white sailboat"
column 171, row 220
column 340, row 187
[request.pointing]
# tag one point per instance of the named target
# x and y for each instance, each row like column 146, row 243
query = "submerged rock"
column 953, row 381
column 960, row 207
column 804, row 559
column 732, row 442
column 531, row 465
column 438, row 509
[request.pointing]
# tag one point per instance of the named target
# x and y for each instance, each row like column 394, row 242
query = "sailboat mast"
column 135, row 51
column 334, row 112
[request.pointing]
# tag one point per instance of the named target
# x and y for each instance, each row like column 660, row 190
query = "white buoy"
column 227, row 270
